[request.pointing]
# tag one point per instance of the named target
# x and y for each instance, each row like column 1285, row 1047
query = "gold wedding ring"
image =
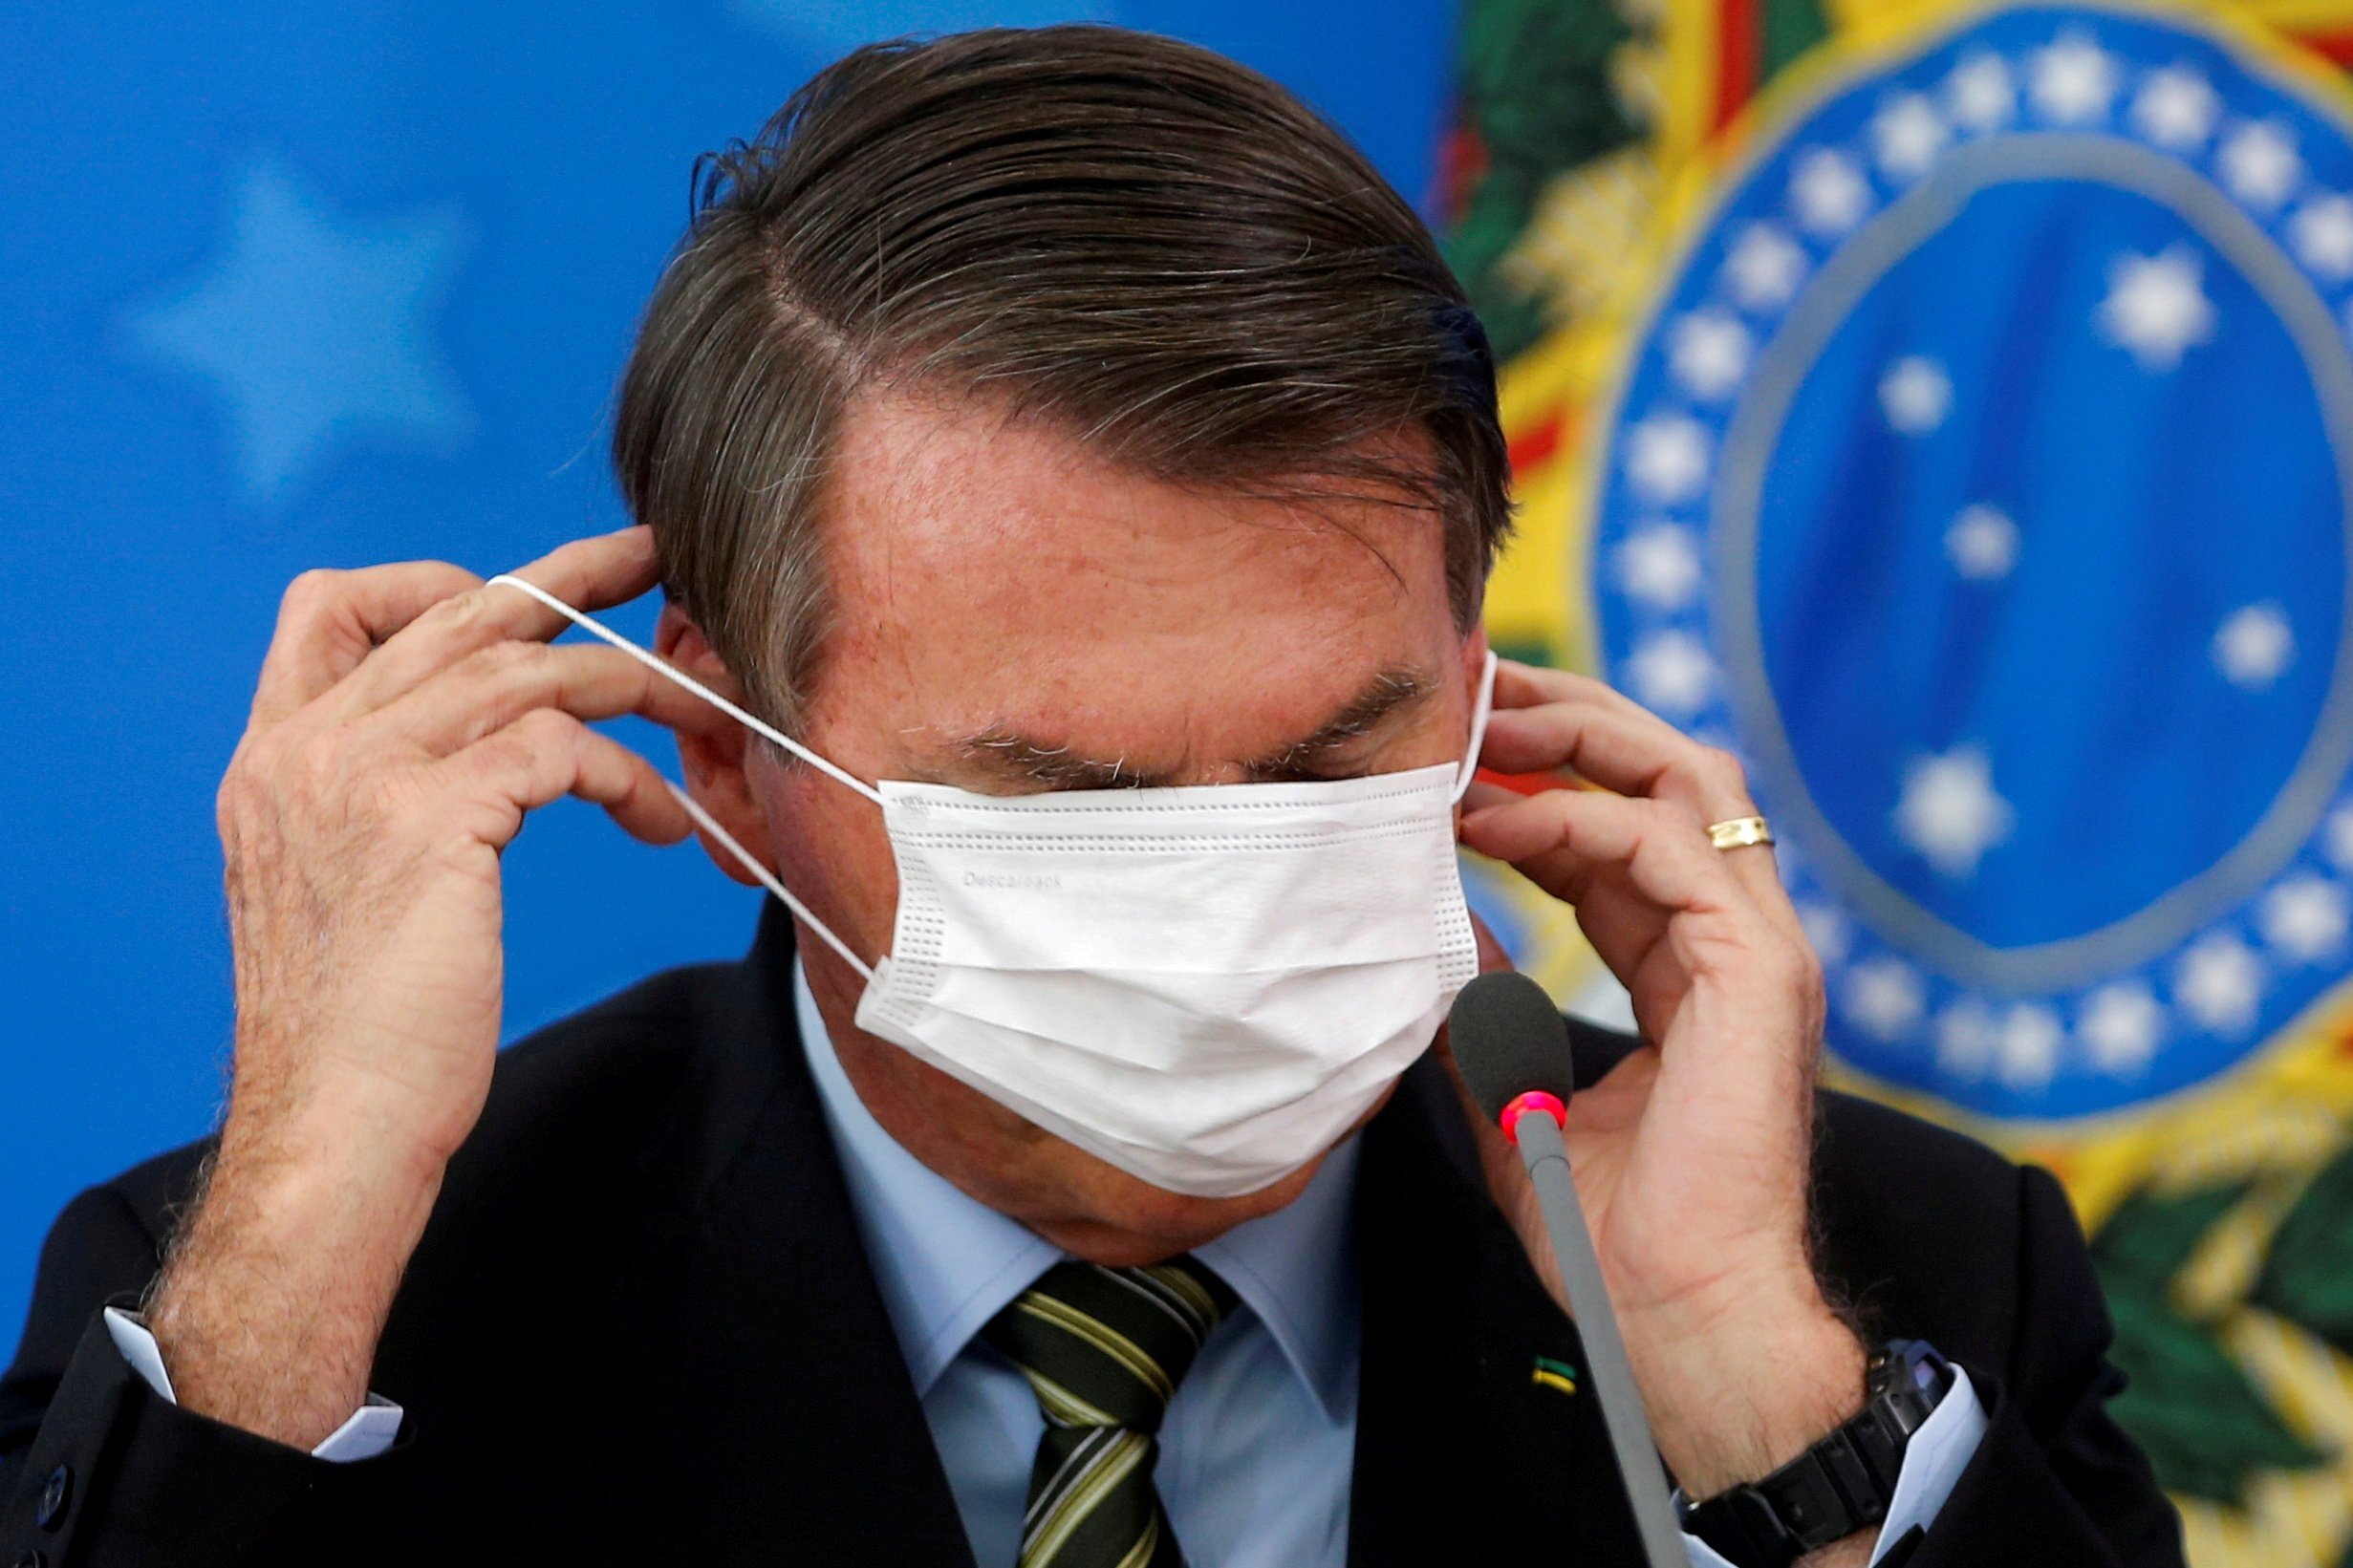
column 1739, row 832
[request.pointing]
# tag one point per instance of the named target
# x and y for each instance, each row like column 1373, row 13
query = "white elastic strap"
column 671, row 673
column 703, row 819
column 769, row 880
column 1479, row 712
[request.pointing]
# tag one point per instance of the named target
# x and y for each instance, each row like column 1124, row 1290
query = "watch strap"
column 1838, row 1486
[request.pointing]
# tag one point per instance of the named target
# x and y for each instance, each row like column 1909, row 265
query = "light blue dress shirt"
column 1259, row 1442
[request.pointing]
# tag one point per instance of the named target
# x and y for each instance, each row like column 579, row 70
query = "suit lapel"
column 1459, row 1446
column 761, row 1339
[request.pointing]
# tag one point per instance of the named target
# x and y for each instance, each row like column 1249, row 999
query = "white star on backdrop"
column 2305, row 918
column 315, row 330
column 1707, row 353
column 1980, row 92
column 1915, row 394
column 1828, row 193
column 2122, row 1024
column 1907, row 136
column 2321, row 231
column 1968, row 1039
column 1884, row 997
column 2219, row 982
column 2338, row 839
column 1670, row 673
column 2156, row 306
column 2254, row 646
column 2072, row 81
column 1982, row 544
column 1949, row 812
column 2176, row 108
column 1667, row 458
column 2031, row 1038
column 1660, row 565
column 2258, row 164
column 1764, row 267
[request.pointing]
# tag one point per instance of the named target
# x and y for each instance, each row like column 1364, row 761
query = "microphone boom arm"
column 1546, row 1158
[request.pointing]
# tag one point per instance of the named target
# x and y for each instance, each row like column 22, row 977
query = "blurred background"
column 1948, row 406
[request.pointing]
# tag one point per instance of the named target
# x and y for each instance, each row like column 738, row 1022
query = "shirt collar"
column 946, row 1262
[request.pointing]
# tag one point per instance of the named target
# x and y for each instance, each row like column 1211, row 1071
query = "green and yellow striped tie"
column 1104, row 1350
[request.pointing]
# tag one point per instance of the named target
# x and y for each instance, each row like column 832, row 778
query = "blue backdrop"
column 291, row 286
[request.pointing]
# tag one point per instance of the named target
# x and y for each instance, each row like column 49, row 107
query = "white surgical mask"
column 1204, row 986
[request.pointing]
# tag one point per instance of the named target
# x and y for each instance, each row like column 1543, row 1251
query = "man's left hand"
column 1691, row 1158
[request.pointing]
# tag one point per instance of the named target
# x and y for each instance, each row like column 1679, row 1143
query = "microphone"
column 1511, row 1046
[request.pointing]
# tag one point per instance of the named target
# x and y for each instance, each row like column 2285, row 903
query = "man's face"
column 1011, row 614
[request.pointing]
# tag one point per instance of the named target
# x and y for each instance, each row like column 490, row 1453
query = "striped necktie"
column 1104, row 1350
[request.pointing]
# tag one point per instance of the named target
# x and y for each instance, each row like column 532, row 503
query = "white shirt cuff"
column 1933, row 1463
column 368, row 1432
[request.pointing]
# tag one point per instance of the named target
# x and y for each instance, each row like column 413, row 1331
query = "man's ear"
column 715, row 761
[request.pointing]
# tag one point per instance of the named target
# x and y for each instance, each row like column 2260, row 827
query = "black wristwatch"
column 1840, row 1485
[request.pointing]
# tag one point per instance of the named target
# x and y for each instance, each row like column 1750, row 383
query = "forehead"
column 983, row 571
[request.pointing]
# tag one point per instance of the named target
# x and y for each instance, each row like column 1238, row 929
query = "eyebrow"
column 1017, row 757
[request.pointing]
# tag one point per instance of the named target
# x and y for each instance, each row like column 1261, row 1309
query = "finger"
column 490, row 689
column 1561, row 721
column 329, row 621
column 588, row 574
column 546, row 755
column 1483, row 793
column 1562, row 839
column 1641, row 875
column 1633, row 753
column 1630, row 753
column 1631, row 746
column 1752, row 869
column 1519, row 685
column 1625, row 929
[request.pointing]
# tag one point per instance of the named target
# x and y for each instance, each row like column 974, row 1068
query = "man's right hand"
column 406, row 720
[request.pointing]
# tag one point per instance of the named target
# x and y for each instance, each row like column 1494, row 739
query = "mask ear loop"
column 703, row 819
column 769, row 880
column 673, row 674
column 1480, row 712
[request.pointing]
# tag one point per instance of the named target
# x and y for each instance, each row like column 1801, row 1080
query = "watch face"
column 1911, row 1363
column 1909, row 1381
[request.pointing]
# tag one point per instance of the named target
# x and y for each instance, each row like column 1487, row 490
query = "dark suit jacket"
column 641, row 1328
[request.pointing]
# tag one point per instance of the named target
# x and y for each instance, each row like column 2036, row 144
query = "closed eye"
column 1307, row 773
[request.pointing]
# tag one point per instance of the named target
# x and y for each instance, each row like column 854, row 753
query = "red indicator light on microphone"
column 1535, row 1100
